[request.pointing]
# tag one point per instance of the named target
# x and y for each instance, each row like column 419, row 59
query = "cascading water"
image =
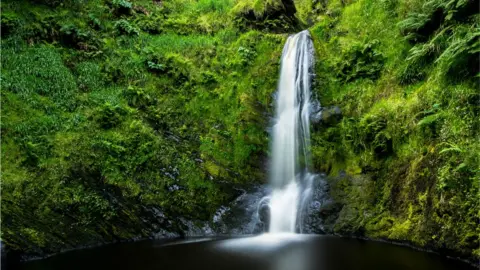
column 290, row 177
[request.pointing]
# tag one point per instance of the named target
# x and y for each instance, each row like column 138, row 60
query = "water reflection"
column 265, row 252
column 291, row 250
column 296, row 258
column 264, row 242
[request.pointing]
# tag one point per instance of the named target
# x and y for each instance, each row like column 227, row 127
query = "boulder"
column 326, row 116
column 248, row 214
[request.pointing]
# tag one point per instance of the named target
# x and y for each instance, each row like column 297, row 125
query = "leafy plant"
column 247, row 55
column 109, row 116
column 124, row 27
column 259, row 8
column 460, row 59
column 95, row 22
column 152, row 66
column 417, row 27
column 137, row 97
column 360, row 61
column 89, row 76
column 9, row 23
column 422, row 56
column 27, row 76
column 274, row 15
column 151, row 24
column 122, row 6
column 73, row 36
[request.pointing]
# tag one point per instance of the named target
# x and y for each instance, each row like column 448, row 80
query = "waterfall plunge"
column 290, row 178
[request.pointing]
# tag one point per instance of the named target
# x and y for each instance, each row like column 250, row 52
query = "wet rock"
column 326, row 116
column 217, row 218
column 315, row 111
column 328, row 213
column 245, row 215
column 264, row 216
column 249, row 214
column 312, row 221
column 174, row 187
column 162, row 233
column 192, row 228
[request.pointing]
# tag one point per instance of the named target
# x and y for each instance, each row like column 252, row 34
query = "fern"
column 123, row 27
column 452, row 148
column 460, row 58
column 422, row 55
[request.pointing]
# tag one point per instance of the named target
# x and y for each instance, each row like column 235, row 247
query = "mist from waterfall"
column 289, row 173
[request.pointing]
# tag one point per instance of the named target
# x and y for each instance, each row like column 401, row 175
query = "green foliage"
column 173, row 65
column 247, row 55
column 109, row 116
column 33, row 73
column 460, row 59
column 123, row 27
column 194, row 17
column 109, row 120
column 407, row 143
column 95, row 22
column 152, row 66
column 360, row 61
column 138, row 98
column 273, row 15
column 452, row 45
column 89, row 76
column 71, row 35
column 259, row 8
column 419, row 26
column 122, row 6
column 151, row 24
column 9, row 23
column 375, row 134
column 421, row 57
column 204, row 6
column 55, row 3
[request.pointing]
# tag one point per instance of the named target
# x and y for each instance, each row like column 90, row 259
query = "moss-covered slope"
column 404, row 159
column 120, row 117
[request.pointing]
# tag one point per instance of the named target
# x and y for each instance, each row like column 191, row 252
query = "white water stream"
column 290, row 177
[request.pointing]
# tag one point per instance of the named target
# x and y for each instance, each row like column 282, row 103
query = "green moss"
column 113, row 111
column 408, row 131
column 213, row 169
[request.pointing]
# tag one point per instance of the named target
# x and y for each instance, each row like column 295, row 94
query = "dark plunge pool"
column 284, row 252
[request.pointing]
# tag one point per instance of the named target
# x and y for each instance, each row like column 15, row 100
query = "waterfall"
column 289, row 172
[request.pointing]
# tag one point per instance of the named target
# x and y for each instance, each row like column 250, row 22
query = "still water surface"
column 284, row 252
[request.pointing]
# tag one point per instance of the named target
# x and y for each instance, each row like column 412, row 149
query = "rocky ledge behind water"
column 249, row 214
